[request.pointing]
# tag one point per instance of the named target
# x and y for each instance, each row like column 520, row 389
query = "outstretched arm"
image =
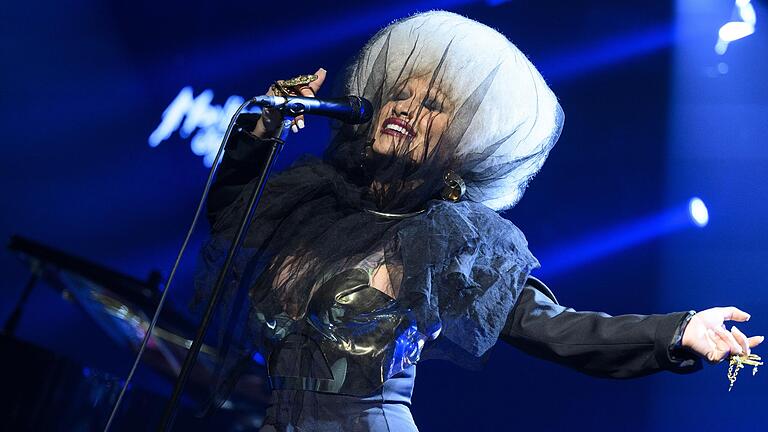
column 622, row 346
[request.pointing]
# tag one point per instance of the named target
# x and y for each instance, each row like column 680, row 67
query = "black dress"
column 320, row 384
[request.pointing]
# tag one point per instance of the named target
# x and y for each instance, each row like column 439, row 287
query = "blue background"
column 650, row 122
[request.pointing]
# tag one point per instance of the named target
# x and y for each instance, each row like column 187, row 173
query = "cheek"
column 434, row 125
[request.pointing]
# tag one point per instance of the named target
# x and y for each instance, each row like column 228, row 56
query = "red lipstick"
column 397, row 127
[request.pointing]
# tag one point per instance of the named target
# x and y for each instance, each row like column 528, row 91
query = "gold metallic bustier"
column 352, row 339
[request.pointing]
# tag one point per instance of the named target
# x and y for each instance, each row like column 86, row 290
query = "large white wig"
column 507, row 117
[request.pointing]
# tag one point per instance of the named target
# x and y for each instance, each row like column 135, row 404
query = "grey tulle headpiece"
column 507, row 120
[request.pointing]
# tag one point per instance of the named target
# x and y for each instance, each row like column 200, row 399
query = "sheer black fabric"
column 458, row 267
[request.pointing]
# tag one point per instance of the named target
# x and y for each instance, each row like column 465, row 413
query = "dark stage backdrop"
column 85, row 83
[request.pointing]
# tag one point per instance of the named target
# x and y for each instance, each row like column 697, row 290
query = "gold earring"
column 366, row 153
column 454, row 187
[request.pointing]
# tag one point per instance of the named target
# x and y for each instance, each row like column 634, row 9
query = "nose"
column 402, row 108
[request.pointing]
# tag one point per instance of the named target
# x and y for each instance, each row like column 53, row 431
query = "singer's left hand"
column 707, row 336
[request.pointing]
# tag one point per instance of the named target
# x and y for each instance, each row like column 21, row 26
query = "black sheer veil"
column 457, row 268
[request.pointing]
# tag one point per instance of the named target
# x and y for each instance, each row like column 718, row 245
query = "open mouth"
column 397, row 128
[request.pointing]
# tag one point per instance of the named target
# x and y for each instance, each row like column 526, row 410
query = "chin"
column 385, row 143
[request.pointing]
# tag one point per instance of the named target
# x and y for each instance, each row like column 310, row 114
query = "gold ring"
column 299, row 80
column 287, row 87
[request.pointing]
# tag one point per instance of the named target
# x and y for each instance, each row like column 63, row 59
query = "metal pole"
column 171, row 408
column 13, row 321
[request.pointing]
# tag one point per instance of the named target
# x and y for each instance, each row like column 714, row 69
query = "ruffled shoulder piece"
column 464, row 267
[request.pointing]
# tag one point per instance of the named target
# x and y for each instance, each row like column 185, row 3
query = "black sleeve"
column 244, row 158
column 598, row 344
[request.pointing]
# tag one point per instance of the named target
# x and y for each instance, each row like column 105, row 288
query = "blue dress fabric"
column 388, row 409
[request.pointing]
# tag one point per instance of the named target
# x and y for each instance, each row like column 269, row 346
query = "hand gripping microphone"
column 348, row 109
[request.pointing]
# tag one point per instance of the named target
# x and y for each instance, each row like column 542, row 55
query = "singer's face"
column 412, row 119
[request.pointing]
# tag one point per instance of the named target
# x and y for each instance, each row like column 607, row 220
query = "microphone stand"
column 171, row 407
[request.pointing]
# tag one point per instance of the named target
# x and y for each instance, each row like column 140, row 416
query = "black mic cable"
column 167, row 288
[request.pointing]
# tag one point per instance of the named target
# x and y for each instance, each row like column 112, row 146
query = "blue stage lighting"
column 616, row 239
column 698, row 212
column 580, row 60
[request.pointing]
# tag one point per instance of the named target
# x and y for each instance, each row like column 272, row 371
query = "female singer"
column 390, row 249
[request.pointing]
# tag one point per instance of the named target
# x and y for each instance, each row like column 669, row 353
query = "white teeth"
column 397, row 128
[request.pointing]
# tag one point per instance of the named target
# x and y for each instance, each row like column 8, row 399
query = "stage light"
column 615, row 239
column 698, row 212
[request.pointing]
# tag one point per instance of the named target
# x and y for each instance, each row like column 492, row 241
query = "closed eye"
column 433, row 104
column 401, row 95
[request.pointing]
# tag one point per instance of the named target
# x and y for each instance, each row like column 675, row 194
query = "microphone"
column 348, row 109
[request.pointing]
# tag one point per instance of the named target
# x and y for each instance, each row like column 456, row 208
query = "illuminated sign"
column 740, row 27
column 195, row 117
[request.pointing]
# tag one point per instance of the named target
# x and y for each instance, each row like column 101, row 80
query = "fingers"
column 298, row 123
column 719, row 342
column 734, row 314
column 309, row 90
column 755, row 341
column 712, row 352
column 741, row 338
column 316, row 84
column 730, row 341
